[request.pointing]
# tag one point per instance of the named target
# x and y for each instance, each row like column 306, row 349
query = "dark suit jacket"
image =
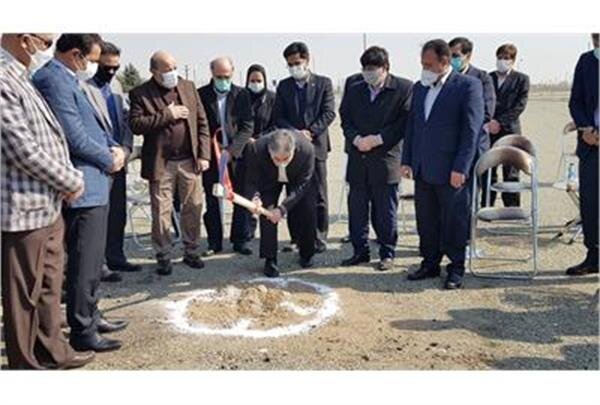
column 489, row 99
column 148, row 116
column 262, row 174
column 511, row 100
column 447, row 141
column 319, row 113
column 239, row 122
column 584, row 98
column 386, row 116
column 262, row 110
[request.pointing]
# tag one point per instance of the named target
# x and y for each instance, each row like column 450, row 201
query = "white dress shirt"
column 222, row 104
column 433, row 92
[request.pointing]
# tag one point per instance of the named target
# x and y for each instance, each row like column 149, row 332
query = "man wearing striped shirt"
column 37, row 176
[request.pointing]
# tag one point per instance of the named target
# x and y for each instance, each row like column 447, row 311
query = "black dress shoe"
column 356, row 259
column 211, row 252
column 94, row 342
column 386, row 264
column 105, row 326
column 242, row 249
column 109, row 276
column 582, row 269
column 193, row 261
column 452, row 284
column 454, row 278
column 345, row 239
column 125, row 267
column 424, row 272
column 164, row 267
column 80, row 359
column 320, row 247
column 306, row 262
column 271, row 269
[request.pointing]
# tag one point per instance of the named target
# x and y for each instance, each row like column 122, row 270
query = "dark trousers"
column 322, row 205
column 86, row 243
column 442, row 214
column 509, row 173
column 117, row 220
column 382, row 201
column 32, row 275
column 241, row 226
column 240, row 231
column 588, row 192
column 305, row 234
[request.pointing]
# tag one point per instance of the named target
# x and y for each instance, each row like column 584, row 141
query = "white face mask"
column 298, row 72
column 89, row 72
column 170, row 79
column 428, row 77
column 373, row 77
column 503, row 65
column 39, row 59
column 256, row 87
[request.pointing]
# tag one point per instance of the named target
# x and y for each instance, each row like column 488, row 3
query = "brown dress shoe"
column 80, row 359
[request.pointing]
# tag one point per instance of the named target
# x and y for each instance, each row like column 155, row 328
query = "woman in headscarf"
column 262, row 99
column 262, row 105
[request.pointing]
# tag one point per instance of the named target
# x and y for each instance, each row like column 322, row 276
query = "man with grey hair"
column 283, row 158
column 230, row 121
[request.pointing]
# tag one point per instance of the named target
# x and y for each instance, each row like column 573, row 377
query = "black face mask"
column 105, row 74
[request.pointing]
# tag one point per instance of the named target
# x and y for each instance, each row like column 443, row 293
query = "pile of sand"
column 263, row 307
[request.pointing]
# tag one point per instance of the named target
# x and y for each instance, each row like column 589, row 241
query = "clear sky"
column 545, row 57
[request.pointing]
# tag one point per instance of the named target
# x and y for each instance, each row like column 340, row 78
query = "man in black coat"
column 305, row 102
column 283, row 158
column 374, row 114
column 512, row 92
column 229, row 114
column 583, row 106
column 462, row 52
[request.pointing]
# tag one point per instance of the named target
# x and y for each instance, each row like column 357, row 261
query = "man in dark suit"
column 167, row 111
column 117, row 112
column 583, row 105
column 283, row 158
column 93, row 151
column 441, row 141
column 305, row 102
column 462, row 52
column 229, row 112
column 374, row 113
column 108, row 100
column 512, row 92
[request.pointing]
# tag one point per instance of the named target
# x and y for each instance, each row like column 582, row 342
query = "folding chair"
column 404, row 195
column 520, row 142
column 525, row 163
column 138, row 201
column 570, row 186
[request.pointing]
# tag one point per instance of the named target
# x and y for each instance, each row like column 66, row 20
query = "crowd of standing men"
column 67, row 135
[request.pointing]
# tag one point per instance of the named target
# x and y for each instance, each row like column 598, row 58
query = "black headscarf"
column 252, row 69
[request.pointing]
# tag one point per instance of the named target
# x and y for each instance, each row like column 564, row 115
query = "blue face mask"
column 457, row 63
column 222, row 85
column 597, row 53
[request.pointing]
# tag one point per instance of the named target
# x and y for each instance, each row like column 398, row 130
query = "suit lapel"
column 311, row 89
column 185, row 100
column 98, row 104
column 443, row 93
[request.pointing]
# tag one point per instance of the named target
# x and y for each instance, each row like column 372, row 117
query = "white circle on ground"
column 330, row 306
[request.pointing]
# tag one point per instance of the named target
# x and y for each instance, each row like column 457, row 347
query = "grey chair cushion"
column 511, row 186
column 491, row 214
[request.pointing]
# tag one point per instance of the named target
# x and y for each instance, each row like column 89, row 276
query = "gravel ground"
column 386, row 322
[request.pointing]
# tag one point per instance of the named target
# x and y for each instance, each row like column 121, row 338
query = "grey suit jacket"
column 97, row 100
